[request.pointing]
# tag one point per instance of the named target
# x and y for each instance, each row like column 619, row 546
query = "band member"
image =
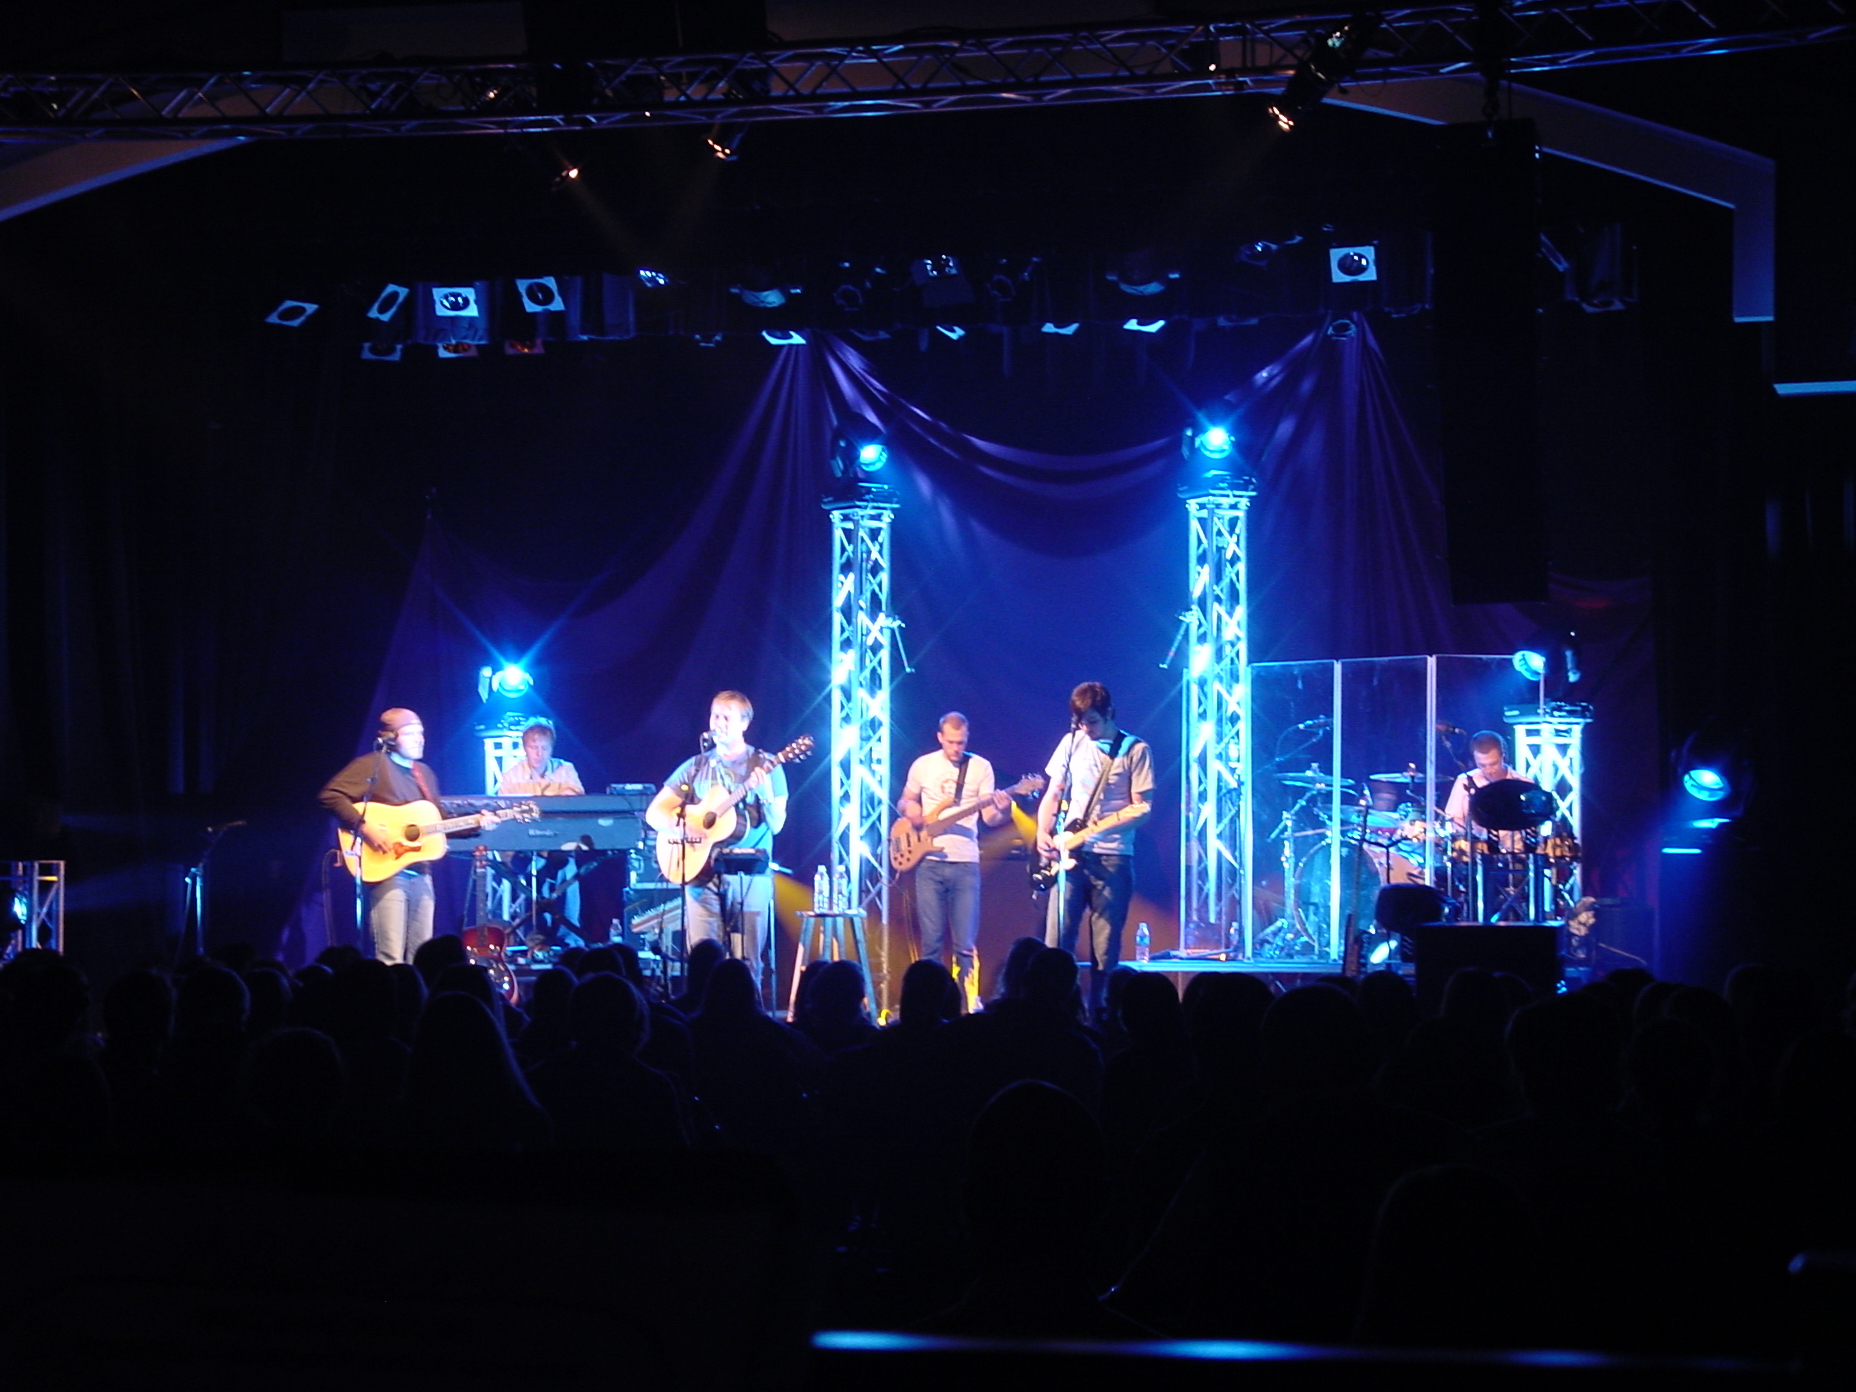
column 719, row 902
column 400, row 907
column 1490, row 751
column 538, row 773
column 1096, row 771
column 947, row 882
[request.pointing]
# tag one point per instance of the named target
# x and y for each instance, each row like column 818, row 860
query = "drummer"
column 1490, row 752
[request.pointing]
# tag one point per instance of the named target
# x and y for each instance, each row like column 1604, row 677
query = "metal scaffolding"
column 1214, row 833
column 861, row 633
column 1549, row 751
column 34, row 906
column 945, row 72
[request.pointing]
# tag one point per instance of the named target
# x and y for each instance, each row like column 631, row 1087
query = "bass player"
column 735, row 897
column 947, row 881
column 1098, row 773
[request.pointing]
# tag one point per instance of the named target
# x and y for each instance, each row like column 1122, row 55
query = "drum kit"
column 1511, row 862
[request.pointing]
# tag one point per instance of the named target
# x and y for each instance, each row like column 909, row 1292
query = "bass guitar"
column 683, row 851
column 1078, row 832
column 907, row 846
column 416, row 831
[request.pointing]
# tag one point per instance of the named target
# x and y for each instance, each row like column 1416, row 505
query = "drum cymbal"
column 1511, row 804
column 1370, row 817
column 1413, row 778
column 1313, row 780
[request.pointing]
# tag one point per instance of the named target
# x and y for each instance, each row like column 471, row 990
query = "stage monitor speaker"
column 1527, row 950
column 1486, row 253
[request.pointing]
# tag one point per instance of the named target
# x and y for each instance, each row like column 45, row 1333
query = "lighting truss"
column 34, row 892
column 861, row 634
column 1549, row 752
column 1214, row 831
column 871, row 77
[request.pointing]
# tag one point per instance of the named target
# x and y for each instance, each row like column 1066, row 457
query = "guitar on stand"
column 683, row 852
column 486, row 940
column 416, row 831
column 907, row 846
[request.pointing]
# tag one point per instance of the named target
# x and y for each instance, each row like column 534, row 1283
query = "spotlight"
column 953, row 331
column 1067, row 330
column 540, row 294
column 1352, row 263
column 724, row 142
column 1141, row 273
column 1330, row 62
column 1258, row 253
column 654, row 279
column 1530, row 664
column 1713, row 768
column 456, row 350
column 761, row 289
column 1144, row 325
column 784, row 338
column 512, row 681
column 380, row 352
column 566, row 177
column 454, row 301
column 387, row 302
column 941, row 281
column 1551, row 653
column 708, row 340
column 523, row 347
column 291, row 313
column 1706, row 784
column 857, row 448
column 1342, row 329
column 1214, row 442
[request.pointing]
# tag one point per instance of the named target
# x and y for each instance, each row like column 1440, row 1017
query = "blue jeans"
column 723, row 905
column 947, row 903
column 1098, row 890
column 400, row 910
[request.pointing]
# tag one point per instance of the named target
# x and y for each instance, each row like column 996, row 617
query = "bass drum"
column 1360, row 883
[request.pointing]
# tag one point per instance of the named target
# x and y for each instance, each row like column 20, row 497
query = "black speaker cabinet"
column 1527, row 950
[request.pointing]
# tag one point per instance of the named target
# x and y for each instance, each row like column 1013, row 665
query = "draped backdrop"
column 1016, row 574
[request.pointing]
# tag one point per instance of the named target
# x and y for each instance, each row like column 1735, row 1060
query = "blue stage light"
column 1214, row 442
column 1706, row 785
column 873, row 455
column 1531, row 664
column 1381, row 953
column 512, row 681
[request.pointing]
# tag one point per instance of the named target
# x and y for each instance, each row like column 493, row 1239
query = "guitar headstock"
column 1030, row 783
column 795, row 751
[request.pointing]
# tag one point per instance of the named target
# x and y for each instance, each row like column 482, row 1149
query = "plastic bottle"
column 1143, row 943
column 821, row 890
column 840, row 889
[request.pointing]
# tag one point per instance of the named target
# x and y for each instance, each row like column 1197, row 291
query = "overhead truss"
column 878, row 77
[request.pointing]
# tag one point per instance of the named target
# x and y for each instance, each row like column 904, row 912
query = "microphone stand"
column 193, row 906
column 361, row 922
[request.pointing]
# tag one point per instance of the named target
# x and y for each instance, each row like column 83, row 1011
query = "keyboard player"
column 538, row 774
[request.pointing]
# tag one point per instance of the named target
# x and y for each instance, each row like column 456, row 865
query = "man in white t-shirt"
column 1098, row 771
column 947, row 881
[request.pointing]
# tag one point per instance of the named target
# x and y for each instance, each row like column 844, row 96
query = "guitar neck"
column 1134, row 810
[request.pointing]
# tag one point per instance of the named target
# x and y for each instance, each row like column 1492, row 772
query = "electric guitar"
column 416, row 831
column 907, row 846
column 683, row 851
column 1078, row 832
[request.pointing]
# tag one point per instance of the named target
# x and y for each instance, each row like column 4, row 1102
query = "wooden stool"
column 830, row 935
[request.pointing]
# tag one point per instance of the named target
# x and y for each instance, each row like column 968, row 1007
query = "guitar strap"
column 1095, row 793
column 426, row 790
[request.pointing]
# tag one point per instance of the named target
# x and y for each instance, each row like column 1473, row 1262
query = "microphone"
column 1320, row 722
column 706, row 742
column 1445, row 728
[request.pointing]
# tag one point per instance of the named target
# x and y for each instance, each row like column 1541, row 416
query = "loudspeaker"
column 1485, row 238
column 1527, row 950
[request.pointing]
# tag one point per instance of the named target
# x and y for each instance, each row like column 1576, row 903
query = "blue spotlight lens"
column 1377, row 957
column 21, row 908
column 1215, row 443
column 1705, row 785
column 1530, row 664
column 873, row 455
column 512, row 681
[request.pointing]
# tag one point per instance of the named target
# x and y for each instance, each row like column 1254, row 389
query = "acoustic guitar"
column 907, row 846
column 416, row 831
column 1075, row 834
column 683, row 851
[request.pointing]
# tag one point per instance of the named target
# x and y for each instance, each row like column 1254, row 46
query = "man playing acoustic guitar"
column 947, row 880
column 401, row 903
column 737, row 898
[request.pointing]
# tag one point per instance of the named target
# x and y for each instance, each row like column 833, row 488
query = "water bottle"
column 840, row 889
column 821, row 890
column 1143, row 943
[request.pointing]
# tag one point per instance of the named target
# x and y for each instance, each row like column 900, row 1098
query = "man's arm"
column 997, row 809
column 910, row 804
column 773, row 798
column 671, row 799
column 339, row 797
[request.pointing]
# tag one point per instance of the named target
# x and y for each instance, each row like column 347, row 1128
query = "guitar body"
column 1045, row 876
column 416, row 831
column 683, row 850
